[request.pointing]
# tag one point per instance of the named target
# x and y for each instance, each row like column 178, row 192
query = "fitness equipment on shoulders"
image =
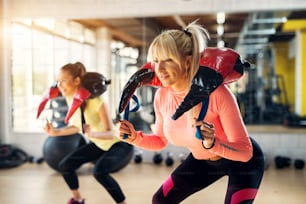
column 93, row 84
column 216, row 66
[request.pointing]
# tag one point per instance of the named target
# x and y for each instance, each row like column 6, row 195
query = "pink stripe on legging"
column 242, row 195
column 167, row 186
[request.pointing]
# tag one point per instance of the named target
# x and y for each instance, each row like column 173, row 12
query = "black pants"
column 194, row 175
column 106, row 162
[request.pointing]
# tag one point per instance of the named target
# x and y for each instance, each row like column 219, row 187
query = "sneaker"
column 72, row 201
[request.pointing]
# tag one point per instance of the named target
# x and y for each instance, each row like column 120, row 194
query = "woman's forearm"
column 66, row 131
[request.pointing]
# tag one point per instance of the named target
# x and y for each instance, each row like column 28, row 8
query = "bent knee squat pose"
column 104, row 149
column 219, row 143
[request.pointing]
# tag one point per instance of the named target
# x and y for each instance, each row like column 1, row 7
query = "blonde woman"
column 225, row 148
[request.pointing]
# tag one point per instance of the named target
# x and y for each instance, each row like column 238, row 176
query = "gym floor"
column 37, row 183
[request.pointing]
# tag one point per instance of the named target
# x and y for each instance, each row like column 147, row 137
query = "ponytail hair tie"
column 187, row 32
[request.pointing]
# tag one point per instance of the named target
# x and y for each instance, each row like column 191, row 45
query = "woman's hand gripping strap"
column 127, row 111
column 202, row 114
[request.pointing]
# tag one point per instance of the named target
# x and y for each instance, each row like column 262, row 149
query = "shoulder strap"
column 202, row 114
column 83, row 117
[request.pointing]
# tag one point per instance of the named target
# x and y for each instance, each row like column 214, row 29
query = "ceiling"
column 136, row 31
column 247, row 32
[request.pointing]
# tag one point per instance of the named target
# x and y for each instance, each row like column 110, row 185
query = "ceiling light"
column 220, row 29
column 220, row 43
column 220, row 17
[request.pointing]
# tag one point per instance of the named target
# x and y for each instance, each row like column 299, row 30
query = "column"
column 5, row 85
column 104, row 63
column 300, row 73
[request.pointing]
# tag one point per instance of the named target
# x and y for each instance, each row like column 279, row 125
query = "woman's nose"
column 158, row 66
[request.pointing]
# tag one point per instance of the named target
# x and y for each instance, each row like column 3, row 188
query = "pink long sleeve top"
column 232, row 141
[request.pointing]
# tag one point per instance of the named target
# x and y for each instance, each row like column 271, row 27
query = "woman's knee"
column 157, row 198
column 100, row 174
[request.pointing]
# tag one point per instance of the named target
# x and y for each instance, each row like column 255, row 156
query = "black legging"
column 194, row 175
column 106, row 162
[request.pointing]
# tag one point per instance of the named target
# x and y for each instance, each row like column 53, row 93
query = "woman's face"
column 170, row 74
column 67, row 84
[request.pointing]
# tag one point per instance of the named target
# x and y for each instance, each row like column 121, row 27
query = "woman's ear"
column 77, row 81
column 188, row 61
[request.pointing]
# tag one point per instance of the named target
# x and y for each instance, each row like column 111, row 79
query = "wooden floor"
column 39, row 184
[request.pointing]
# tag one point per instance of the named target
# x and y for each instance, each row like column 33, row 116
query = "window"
column 36, row 57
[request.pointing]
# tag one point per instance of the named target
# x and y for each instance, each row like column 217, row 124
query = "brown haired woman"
column 105, row 149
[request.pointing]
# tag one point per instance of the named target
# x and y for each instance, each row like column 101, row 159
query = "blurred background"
column 112, row 37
